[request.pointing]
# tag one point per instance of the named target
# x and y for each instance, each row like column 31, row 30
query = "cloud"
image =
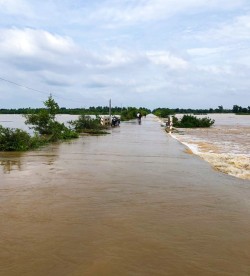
column 15, row 7
column 38, row 50
column 236, row 30
column 115, row 58
column 28, row 42
column 165, row 58
column 156, row 52
column 117, row 13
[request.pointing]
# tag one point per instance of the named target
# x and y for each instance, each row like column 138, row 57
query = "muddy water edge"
column 129, row 203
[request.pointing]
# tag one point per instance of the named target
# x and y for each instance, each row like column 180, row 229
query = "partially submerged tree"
column 86, row 124
column 18, row 140
column 44, row 122
column 189, row 121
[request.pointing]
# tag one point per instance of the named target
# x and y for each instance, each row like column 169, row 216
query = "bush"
column 18, row 140
column 189, row 121
column 44, row 123
column 88, row 125
column 58, row 131
column 163, row 112
column 131, row 113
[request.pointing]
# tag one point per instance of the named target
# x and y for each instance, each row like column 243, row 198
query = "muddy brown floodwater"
column 129, row 203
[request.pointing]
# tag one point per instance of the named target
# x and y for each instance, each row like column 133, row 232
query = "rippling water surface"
column 226, row 145
column 129, row 203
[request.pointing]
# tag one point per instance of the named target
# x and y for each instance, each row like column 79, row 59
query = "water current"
column 129, row 203
column 226, row 145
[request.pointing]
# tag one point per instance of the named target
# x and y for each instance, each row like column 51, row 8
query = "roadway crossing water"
column 129, row 203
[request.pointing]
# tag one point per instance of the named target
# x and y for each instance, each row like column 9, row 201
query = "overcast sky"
column 151, row 53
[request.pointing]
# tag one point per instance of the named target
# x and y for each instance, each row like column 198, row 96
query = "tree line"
column 130, row 112
column 92, row 110
column 165, row 112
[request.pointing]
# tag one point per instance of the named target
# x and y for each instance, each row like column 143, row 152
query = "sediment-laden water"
column 226, row 145
column 129, row 203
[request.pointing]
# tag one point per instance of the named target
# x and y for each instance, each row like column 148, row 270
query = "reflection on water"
column 129, row 203
column 10, row 162
column 9, row 165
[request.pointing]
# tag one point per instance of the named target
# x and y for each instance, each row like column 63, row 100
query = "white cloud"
column 132, row 11
column 29, row 42
column 236, row 30
column 205, row 51
column 15, row 7
column 167, row 59
column 218, row 70
column 116, row 57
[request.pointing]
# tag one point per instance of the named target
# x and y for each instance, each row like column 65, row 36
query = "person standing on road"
column 139, row 117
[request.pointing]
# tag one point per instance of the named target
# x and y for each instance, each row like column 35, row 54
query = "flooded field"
column 129, row 203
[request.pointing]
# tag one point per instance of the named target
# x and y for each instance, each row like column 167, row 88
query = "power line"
column 36, row 90
column 23, row 86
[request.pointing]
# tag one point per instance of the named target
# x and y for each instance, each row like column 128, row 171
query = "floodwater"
column 129, row 203
column 226, row 145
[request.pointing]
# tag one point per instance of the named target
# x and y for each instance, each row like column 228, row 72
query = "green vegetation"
column 99, row 110
column 47, row 129
column 85, row 124
column 127, row 113
column 104, row 110
column 163, row 112
column 189, row 121
column 18, row 140
column 241, row 110
column 131, row 112
column 44, row 123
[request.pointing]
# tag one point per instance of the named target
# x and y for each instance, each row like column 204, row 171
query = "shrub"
column 130, row 113
column 58, row 131
column 87, row 124
column 18, row 140
column 163, row 112
column 44, row 123
column 189, row 121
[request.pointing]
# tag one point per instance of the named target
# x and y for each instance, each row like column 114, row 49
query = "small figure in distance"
column 139, row 117
column 115, row 121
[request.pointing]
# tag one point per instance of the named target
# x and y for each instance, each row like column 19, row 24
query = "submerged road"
column 129, row 203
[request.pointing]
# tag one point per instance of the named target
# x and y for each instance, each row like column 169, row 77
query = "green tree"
column 189, row 121
column 18, row 140
column 85, row 124
column 52, row 107
column 220, row 108
column 236, row 108
column 44, row 122
column 163, row 112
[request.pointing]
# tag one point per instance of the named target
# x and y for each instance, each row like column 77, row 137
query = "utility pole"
column 110, row 111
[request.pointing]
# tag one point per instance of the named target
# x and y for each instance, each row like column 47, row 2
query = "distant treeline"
column 127, row 113
column 99, row 110
column 165, row 112
column 130, row 111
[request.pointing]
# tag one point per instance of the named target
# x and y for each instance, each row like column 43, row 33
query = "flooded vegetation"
column 129, row 203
